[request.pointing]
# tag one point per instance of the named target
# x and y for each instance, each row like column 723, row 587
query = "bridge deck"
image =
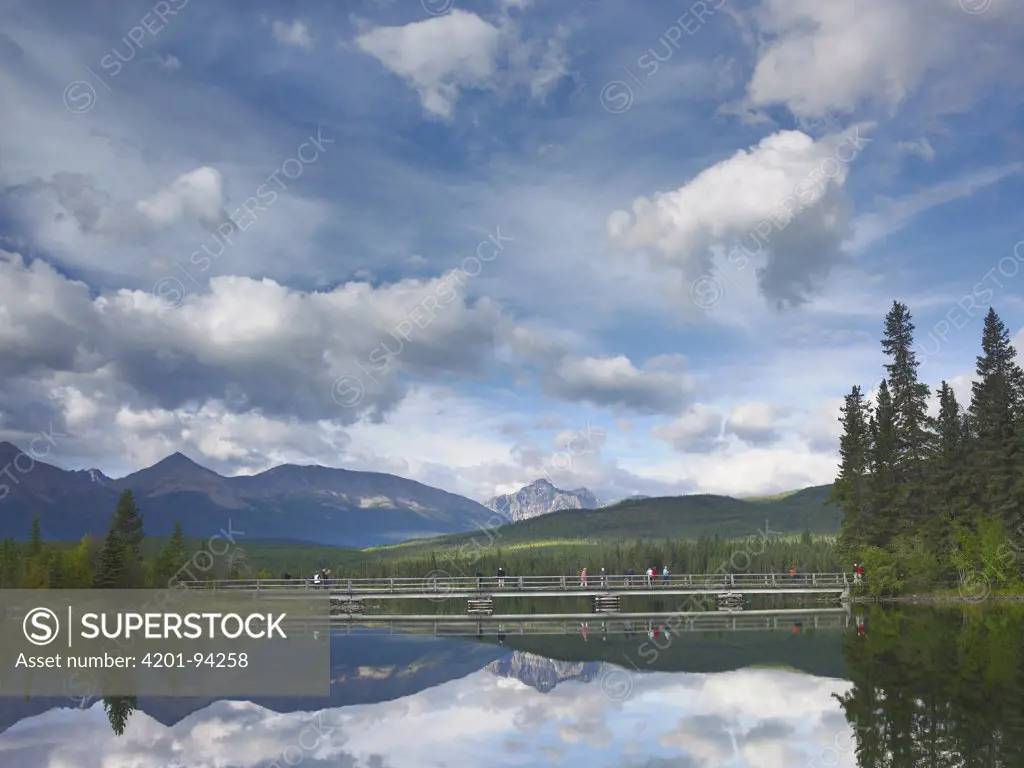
column 442, row 586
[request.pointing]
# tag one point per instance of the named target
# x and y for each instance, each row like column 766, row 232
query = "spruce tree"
column 110, row 571
column 35, row 539
column 949, row 470
column 885, row 490
column 996, row 412
column 128, row 525
column 913, row 429
column 171, row 559
column 851, row 489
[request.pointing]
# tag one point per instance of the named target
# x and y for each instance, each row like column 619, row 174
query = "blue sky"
column 231, row 230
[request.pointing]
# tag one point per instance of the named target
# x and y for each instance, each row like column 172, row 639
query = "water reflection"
column 894, row 688
column 937, row 688
column 752, row 717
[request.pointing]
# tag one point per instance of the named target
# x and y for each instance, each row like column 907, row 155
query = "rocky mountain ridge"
column 540, row 498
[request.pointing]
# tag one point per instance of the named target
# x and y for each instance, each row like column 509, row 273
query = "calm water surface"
column 919, row 687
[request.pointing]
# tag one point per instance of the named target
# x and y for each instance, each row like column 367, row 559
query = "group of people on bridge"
column 650, row 575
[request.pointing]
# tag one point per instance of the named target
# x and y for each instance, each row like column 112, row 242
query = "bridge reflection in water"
column 571, row 624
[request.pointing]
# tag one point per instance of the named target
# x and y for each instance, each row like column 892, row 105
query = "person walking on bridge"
column 664, row 575
column 501, row 577
column 604, row 579
column 583, row 579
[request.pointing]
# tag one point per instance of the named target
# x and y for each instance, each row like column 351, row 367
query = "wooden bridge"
column 606, row 592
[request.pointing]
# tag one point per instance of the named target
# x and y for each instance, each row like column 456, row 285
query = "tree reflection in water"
column 119, row 709
column 937, row 688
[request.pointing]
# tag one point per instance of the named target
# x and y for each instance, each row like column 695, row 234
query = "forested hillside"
column 655, row 519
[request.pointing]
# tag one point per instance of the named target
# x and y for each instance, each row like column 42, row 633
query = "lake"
column 913, row 687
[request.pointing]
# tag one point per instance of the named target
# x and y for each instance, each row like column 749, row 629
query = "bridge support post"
column 480, row 606
column 606, row 603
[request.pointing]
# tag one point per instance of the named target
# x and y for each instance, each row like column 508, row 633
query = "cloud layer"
column 426, row 240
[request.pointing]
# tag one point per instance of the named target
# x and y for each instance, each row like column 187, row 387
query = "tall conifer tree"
column 885, row 490
column 852, row 487
column 913, row 429
column 127, row 523
column 950, row 482
column 996, row 413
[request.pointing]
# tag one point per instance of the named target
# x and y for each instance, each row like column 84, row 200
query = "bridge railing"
column 442, row 584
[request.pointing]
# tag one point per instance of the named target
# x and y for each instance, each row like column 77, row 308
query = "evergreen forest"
column 932, row 497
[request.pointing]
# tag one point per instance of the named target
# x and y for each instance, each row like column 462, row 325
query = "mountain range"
column 540, row 498
column 346, row 508
column 337, row 507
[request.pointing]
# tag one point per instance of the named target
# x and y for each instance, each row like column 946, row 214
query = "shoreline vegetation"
column 938, row 598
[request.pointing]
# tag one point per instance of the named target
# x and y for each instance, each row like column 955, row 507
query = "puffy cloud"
column 755, row 422
column 252, row 344
column 438, row 56
column 780, row 206
column 444, row 55
column 198, row 194
column 821, row 58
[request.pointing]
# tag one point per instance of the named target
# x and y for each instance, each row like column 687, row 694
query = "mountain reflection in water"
column 918, row 688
